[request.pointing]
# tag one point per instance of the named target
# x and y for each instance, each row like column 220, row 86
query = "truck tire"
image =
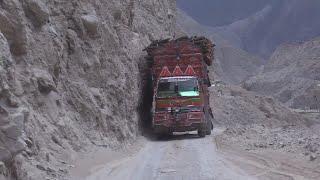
column 209, row 127
column 202, row 133
column 208, row 132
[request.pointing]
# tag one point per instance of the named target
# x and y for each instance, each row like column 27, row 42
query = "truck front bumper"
column 164, row 129
column 167, row 123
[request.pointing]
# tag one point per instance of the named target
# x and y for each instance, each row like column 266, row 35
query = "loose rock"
column 91, row 23
column 313, row 157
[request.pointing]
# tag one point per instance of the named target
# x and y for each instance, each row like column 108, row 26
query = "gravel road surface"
column 182, row 157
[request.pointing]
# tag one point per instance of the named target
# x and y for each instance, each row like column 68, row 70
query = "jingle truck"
column 180, row 80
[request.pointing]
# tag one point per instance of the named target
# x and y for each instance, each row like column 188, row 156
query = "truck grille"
column 179, row 116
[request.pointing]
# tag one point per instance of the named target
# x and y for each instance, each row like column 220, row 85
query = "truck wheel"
column 208, row 131
column 202, row 133
column 209, row 127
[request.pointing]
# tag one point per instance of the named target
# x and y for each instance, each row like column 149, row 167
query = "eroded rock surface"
column 69, row 78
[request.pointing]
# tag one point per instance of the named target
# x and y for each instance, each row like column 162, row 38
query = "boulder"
column 37, row 12
column 312, row 157
column 45, row 85
column 44, row 81
column 71, row 40
column 91, row 23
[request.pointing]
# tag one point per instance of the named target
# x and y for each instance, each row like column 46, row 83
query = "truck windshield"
column 178, row 87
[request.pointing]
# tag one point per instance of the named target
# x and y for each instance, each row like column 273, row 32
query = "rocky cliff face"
column 69, row 78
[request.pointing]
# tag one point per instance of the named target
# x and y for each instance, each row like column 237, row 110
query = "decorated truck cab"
column 180, row 85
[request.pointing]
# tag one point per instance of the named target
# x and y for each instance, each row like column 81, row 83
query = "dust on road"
column 183, row 157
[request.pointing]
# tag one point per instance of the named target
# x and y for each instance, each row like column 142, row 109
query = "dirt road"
column 188, row 157
column 184, row 157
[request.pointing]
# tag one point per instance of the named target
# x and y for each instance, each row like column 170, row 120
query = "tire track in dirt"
column 181, row 157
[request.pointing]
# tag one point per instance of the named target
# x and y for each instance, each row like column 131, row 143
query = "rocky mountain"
column 258, row 27
column 69, row 78
column 291, row 21
column 217, row 13
column 239, row 31
column 292, row 75
column 232, row 64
